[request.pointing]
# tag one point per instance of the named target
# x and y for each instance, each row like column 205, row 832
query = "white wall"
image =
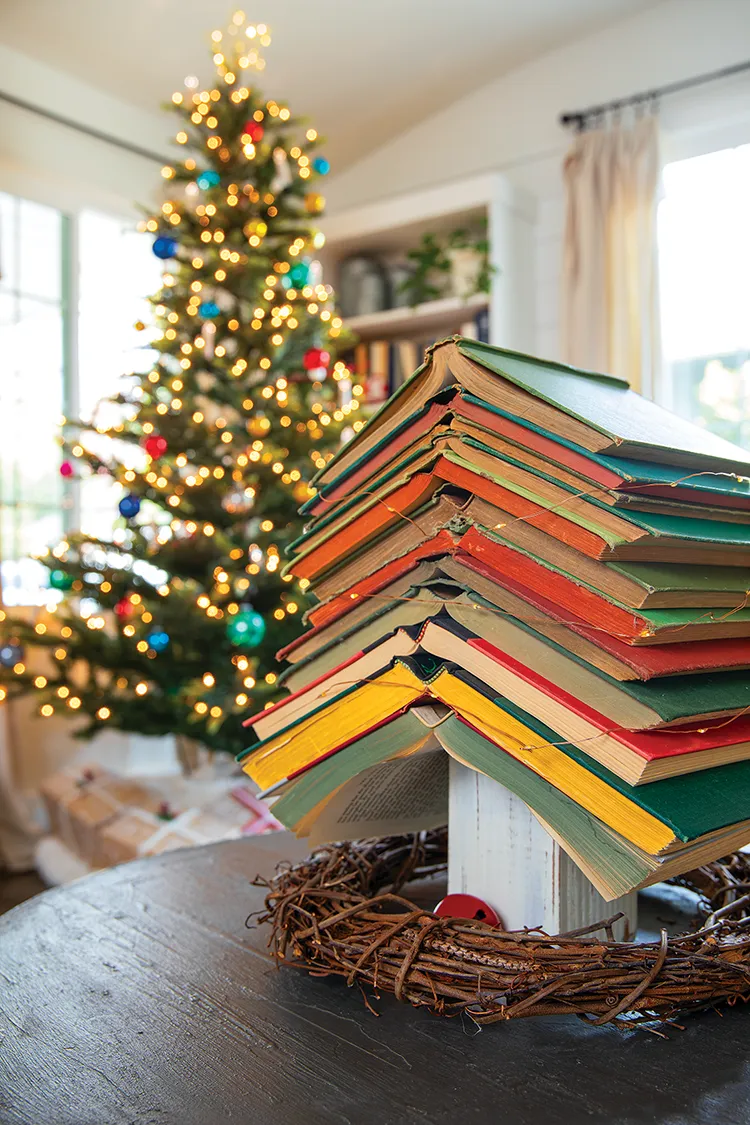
column 53, row 164
column 511, row 124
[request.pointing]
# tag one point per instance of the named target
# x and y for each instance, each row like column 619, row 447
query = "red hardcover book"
column 476, row 552
column 648, row 744
column 440, row 544
column 408, row 497
column 648, row 662
column 410, row 435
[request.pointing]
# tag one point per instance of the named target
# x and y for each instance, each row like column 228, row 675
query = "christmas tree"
column 171, row 626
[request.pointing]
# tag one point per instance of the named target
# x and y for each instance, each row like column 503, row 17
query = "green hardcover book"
column 692, row 805
column 599, row 413
column 613, row 864
column 629, row 424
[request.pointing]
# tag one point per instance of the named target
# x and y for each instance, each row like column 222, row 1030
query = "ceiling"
column 362, row 70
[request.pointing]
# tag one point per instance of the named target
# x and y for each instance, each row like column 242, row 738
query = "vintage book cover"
column 598, row 412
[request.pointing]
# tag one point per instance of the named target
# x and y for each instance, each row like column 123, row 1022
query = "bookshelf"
column 387, row 228
column 443, row 316
column 391, row 341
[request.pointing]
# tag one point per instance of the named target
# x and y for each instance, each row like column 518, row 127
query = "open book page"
column 402, row 795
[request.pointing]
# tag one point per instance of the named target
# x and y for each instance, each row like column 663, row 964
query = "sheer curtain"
column 610, row 302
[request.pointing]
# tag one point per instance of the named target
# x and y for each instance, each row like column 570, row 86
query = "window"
column 32, row 389
column 116, row 273
column 71, row 291
column 704, row 249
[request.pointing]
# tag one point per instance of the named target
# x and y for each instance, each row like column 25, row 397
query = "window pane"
column 31, row 394
column 8, row 242
column 704, row 248
column 118, row 272
column 39, row 251
column 30, row 401
column 112, row 300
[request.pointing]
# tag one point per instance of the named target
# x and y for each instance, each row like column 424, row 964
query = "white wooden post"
column 497, row 849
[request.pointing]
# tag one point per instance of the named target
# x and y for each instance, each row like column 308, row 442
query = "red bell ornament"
column 314, row 358
column 155, row 446
column 254, row 130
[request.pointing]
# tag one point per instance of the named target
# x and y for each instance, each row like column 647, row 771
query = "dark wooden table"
column 138, row 996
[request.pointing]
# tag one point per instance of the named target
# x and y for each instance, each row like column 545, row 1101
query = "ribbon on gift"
column 262, row 820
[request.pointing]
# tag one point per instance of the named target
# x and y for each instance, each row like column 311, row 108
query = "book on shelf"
column 386, row 364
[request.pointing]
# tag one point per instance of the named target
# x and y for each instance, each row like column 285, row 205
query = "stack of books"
column 544, row 576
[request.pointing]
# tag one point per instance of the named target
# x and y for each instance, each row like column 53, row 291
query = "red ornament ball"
column 314, row 358
column 66, row 469
column 124, row 608
column 155, row 446
column 254, row 130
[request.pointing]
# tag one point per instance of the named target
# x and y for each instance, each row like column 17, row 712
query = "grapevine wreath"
column 340, row 912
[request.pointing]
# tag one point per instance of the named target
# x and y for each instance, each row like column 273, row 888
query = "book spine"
column 378, row 373
column 482, row 326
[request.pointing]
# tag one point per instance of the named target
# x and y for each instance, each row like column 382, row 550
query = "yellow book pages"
column 588, row 790
column 350, row 717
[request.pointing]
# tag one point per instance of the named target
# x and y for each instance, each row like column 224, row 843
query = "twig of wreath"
column 340, row 912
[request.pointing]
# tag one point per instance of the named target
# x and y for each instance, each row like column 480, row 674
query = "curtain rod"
column 117, row 142
column 581, row 116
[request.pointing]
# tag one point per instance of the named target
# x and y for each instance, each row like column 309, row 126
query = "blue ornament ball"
column 165, row 247
column 208, row 179
column 129, row 506
column 209, row 310
column 299, row 275
column 158, row 639
column 10, row 654
column 321, row 166
column 246, row 628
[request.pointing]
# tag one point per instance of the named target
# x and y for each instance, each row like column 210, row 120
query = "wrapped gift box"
column 104, row 819
column 185, row 831
column 95, row 807
column 60, row 789
column 133, row 833
column 125, row 835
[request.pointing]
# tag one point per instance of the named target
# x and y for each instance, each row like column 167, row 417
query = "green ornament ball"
column 60, row 580
column 246, row 628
